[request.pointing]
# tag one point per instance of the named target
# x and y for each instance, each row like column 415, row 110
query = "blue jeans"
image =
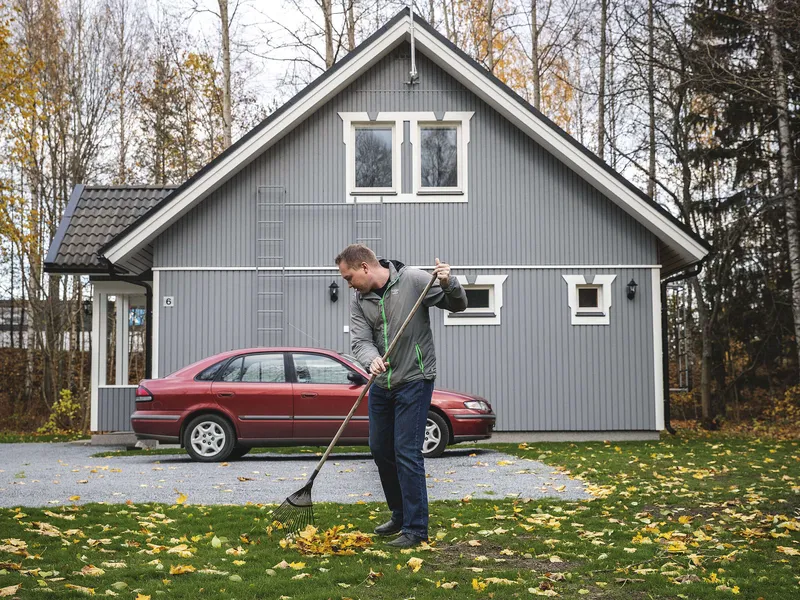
column 397, row 419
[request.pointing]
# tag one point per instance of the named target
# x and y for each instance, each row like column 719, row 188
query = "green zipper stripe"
column 386, row 344
column 419, row 359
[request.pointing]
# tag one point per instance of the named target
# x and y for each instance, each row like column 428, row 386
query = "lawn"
column 692, row 516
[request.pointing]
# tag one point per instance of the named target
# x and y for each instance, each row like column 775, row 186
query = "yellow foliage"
column 331, row 541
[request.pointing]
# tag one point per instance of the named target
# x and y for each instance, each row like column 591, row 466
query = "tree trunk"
column 537, row 84
column 348, row 7
column 490, row 35
column 651, row 103
column 226, row 73
column 787, row 177
column 327, row 15
column 601, row 91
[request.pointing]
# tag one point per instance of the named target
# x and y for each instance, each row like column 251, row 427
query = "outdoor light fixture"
column 87, row 308
column 631, row 289
column 334, row 290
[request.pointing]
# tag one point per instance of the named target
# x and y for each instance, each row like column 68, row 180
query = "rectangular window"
column 484, row 301
column 374, row 158
column 479, row 298
column 439, row 156
column 263, row 368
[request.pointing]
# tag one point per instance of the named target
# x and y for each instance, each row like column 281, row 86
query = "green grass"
column 712, row 511
column 26, row 438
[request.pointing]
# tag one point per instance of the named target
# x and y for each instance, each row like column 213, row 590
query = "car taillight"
column 143, row 394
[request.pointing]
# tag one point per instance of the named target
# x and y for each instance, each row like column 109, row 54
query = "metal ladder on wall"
column 677, row 335
column 368, row 225
column 270, row 265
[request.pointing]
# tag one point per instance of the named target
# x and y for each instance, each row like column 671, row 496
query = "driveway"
column 49, row 474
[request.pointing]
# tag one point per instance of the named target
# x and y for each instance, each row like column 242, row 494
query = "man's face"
column 358, row 279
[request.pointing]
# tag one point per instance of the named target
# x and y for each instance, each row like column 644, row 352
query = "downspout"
column 664, row 335
column 148, row 330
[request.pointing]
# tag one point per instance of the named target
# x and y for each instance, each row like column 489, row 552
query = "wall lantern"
column 334, row 291
column 631, row 289
column 87, row 308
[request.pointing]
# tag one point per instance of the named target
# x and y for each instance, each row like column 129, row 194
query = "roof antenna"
column 413, row 75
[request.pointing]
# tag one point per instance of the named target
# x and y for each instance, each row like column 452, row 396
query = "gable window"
column 589, row 303
column 439, row 159
column 484, row 300
column 406, row 156
column 373, row 158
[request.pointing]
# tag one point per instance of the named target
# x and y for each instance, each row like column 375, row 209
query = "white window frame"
column 480, row 316
column 351, row 120
column 600, row 315
column 460, row 158
column 351, row 157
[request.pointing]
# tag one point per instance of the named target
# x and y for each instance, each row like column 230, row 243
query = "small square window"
column 589, row 298
column 484, row 301
column 373, row 157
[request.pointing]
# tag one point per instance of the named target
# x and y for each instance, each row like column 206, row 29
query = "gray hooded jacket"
column 375, row 321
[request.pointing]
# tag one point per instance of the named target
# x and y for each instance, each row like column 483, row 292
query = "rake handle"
column 372, row 378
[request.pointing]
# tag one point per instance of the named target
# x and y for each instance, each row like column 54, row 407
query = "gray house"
column 411, row 147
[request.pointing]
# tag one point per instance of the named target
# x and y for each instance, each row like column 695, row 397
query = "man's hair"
column 355, row 254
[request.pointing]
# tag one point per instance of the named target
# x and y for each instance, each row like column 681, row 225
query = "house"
column 564, row 260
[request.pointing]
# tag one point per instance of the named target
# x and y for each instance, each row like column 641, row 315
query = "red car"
column 221, row 407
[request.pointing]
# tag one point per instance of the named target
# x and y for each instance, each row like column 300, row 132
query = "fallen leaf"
column 181, row 569
column 10, row 590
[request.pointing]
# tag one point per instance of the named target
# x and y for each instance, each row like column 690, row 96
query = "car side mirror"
column 357, row 378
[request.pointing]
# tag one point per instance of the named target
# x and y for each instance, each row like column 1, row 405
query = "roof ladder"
column 368, row 225
column 270, row 265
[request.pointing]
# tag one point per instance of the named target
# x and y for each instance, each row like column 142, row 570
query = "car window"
column 315, row 368
column 264, row 368
column 210, row 373
column 233, row 371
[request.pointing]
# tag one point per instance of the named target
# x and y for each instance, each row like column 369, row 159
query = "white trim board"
column 658, row 348
column 453, row 267
column 460, row 69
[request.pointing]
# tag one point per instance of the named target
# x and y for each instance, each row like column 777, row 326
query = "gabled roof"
column 93, row 216
column 680, row 246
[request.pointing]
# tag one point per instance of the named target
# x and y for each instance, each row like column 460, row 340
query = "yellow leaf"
column 74, row 498
column 414, row 563
column 92, row 571
column 301, row 576
column 789, row 551
column 181, row 569
column 448, row 585
column 478, row 585
column 181, row 497
column 297, row 565
column 80, row 588
column 142, row 597
column 10, row 590
column 474, row 543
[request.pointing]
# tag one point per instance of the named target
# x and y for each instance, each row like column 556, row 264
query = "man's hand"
column 377, row 366
column 442, row 271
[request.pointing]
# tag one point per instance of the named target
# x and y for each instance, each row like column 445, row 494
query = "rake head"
column 297, row 511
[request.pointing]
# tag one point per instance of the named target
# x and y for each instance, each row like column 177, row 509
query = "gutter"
column 664, row 334
column 148, row 294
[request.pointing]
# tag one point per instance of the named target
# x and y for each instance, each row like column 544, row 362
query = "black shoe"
column 389, row 528
column 405, row 541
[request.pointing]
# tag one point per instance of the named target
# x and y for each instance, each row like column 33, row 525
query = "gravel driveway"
column 49, row 474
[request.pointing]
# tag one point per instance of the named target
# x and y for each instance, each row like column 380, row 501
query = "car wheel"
column 239, row 452
column 209, row 438
column 437, row 434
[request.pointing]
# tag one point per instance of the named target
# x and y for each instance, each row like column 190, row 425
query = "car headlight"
column 477, row 405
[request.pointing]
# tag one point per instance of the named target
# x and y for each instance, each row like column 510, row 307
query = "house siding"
column 525, row 208
column 115, row 407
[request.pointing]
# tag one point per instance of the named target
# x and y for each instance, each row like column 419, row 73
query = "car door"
column 254, row 390
column 323, row 395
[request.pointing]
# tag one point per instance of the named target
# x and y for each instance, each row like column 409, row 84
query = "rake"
column 297, row 511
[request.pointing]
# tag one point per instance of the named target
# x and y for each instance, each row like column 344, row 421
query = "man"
column 400, row 397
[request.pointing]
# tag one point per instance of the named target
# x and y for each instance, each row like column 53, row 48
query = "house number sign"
column 169, row 301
